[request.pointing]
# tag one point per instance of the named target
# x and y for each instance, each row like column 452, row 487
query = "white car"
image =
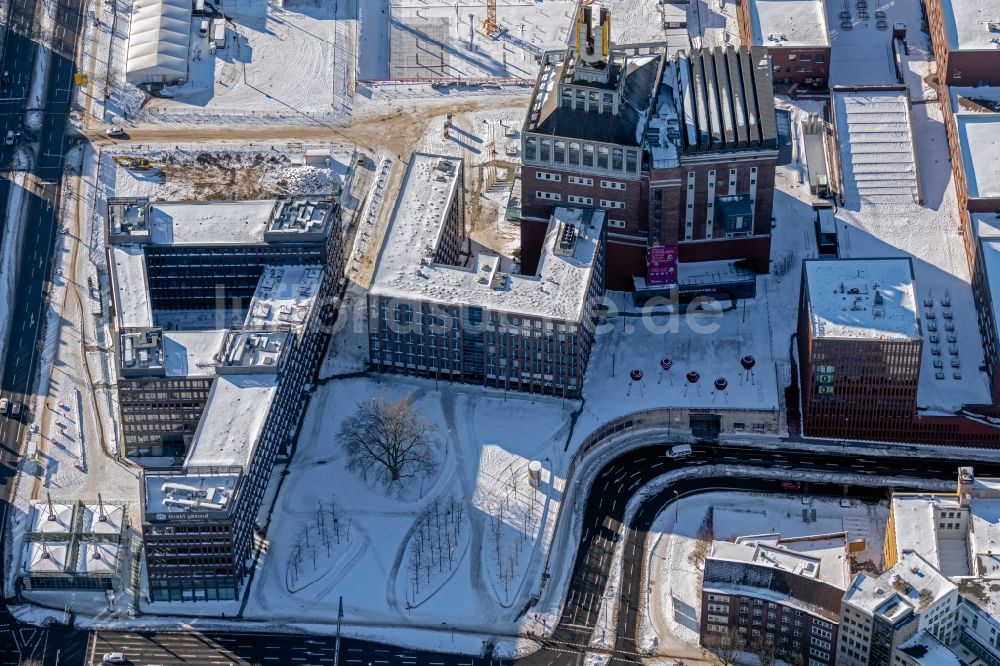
column 4, row 406
column 9, row 139
column 115, row 130
column 114, row 658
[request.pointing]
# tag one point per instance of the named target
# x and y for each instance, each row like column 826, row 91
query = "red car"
column 791, row 485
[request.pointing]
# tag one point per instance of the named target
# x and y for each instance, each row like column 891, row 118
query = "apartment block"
column 782, row 592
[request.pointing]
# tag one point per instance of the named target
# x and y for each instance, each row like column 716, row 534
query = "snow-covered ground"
column 502, row 538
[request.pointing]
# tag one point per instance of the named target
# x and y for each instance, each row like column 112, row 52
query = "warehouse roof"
column 158, row 40
column 967, row 23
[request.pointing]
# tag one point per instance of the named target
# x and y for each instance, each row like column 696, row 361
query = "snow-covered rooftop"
column 916, row 528
column 46, row 557
column 979, row 138
column 284, row 295
column 183, row 493
column 52, row 517
column 967, row 23
column 558, row 290
column 989, row 248
column 191, row 353
column 925, row 650
column 862, row 298
column 206, row 222
column 789, row 23
column 103, row 519
column 246, row 350
column 233, row 419
column 97, row 558
column 912, row 584
column 128, row 265
column 821, row 558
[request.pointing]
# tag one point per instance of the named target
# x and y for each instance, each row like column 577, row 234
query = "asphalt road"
column 220, row 649
column 20, row 642
column 603, row 529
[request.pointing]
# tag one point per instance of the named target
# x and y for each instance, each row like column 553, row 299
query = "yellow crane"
column 490, row 25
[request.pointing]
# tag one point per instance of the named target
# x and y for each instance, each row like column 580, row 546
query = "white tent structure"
column 158, row 41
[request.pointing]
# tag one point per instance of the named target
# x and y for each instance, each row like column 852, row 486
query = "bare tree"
column 389, row 443
column 764, row 650
column 727, row 646
column 703, row 546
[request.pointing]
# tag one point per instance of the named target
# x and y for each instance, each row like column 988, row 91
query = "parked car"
column 8, row 140
column 115, row 658
column 791, row 485
column 16, row 408
column 5, row 80
column 114, row 131
column 4, row 406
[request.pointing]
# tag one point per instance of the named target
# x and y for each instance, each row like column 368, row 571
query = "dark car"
column 16, row 408
column 5, row 80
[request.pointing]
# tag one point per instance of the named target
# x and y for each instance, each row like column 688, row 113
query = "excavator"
column 132, row 162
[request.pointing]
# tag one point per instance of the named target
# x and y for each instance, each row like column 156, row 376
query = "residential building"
column 795, row 33
column 679, row 151
column 783, row 592
column 436, row 313
column 958, row 533
column 966, row 38
column 881, row 614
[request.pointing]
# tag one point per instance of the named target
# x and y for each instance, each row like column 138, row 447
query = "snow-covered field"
column 483, row 460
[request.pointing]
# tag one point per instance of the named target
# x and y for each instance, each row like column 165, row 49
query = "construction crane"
column 131, row 162
column 490, row 25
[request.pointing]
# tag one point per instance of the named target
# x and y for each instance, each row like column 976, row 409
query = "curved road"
column 603, row 528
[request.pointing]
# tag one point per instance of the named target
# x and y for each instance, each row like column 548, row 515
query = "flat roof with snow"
column 989, row 248
column 558, row 290
column 862, row 299
column 967, row 24
column 899, row 590
column 191, row 353
column 186, row 493
column 233, row 419
column 777, row 23
column 128, row 270
column 206, row 222
column 284, row 295
column 979, row 138
column 823, row 559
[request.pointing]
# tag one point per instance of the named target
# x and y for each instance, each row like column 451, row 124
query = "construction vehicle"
column 131, row 162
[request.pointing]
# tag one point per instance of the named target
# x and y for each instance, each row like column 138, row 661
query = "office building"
column 437, row 312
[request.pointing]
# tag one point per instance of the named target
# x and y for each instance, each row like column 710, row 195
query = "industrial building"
column 435, row 313
column 966, row 38
column 796, row 35
column 219, row 311
column 783, row 592
column 74, row 545
column 678, row 151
